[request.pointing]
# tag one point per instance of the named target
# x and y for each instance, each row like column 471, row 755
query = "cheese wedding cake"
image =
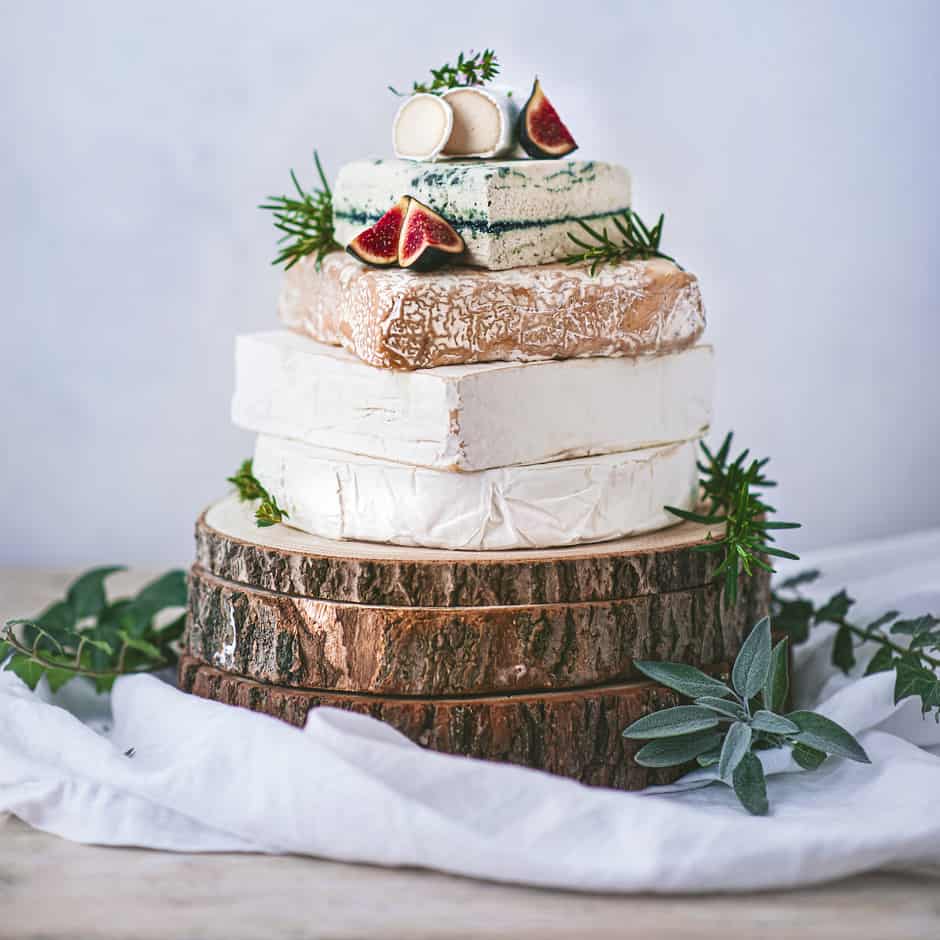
column 502, row 357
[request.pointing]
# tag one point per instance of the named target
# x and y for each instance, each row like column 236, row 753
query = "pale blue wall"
column 792, row 146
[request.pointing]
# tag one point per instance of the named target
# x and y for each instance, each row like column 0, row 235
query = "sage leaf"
column 737, row 744
column 750, row 786
column 777, row 684
column 86, row 595
column 670, row 752
column 687, row 680
column 753, row 663
column 670, row 722
column 709, row 758
column 826, row 735
column 807, row 757
column 773, row 724
column 723, row 706
column 843, row 653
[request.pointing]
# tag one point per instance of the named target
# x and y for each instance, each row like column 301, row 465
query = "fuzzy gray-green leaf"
column 723, row 706
column 737, row 744
column 670, row 752
column 750, row 786
column 809, row 758
column 777, row 684
column 753, row 662
column 773, row 724
column 687, row 680
column 671, row 722
column 825, row 735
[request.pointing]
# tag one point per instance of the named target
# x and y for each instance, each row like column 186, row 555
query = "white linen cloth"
column 209, row 777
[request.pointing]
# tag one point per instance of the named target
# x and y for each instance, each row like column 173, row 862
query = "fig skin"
column 542, row 133
column 427, row 239
column 377, row 246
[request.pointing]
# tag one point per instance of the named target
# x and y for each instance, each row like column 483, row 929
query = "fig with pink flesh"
column 427, row 239
column 378, row 244
column 542, row 133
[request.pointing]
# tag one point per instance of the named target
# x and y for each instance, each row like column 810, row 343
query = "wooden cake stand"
column 521, row 656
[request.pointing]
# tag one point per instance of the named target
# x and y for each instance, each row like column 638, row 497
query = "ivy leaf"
column 777, row 685
column 915, row 679
column 920, row 630
column 28, row 670
column 142, row 646
column 686, row 680
column 797, row 580
column 86, row 596
column 773, row 724
column 843, row 651
column 882, row 661
column 807, row 757
column 58, row 677
column 835, row 609
column 169, row 590
column 825, row 735
column 737, row 744
column 750, row 786
column 753, row 662
column 670, row 752
column 794, row 617
column 670, row 722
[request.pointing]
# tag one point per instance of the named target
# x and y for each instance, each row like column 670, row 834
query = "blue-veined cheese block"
column 510, row 213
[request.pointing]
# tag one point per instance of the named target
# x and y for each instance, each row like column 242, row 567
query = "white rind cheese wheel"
column 589, row 499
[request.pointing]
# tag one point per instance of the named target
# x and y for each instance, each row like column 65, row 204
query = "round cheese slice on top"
column 422, row 127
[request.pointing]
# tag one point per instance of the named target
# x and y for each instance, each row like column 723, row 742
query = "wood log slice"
column 301, row 642
column 575, row 734
column 231, row 546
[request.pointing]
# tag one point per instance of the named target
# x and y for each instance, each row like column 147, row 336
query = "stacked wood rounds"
column 520, row 656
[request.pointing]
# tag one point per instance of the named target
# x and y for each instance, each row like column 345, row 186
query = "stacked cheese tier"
column 515, row 403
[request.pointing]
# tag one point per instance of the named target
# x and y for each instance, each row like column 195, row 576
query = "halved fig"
column 422, row 127
column 378, row 244
column 427, row 239
column 541, row 131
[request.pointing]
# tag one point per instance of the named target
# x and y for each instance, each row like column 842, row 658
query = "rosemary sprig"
column 85, row 634
column 249, row 488
column 916, row 663
column 306, row 221
column 725, row 725
column 637, row 242
column 476, row 68
column 729, row 490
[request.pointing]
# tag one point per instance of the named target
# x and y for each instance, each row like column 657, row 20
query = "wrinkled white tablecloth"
column 207, row 777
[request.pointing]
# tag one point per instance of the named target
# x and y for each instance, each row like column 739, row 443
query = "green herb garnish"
column 914, row 662
column 638, row 243
column 85, row 634
column 726, row 725
column 306, row 221
column 477, row 68
column 249, row 488
column 729, row 490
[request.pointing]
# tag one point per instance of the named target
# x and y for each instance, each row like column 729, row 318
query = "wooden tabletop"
column 59, row 890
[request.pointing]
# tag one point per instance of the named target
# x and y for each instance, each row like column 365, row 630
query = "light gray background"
column 792, row 146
